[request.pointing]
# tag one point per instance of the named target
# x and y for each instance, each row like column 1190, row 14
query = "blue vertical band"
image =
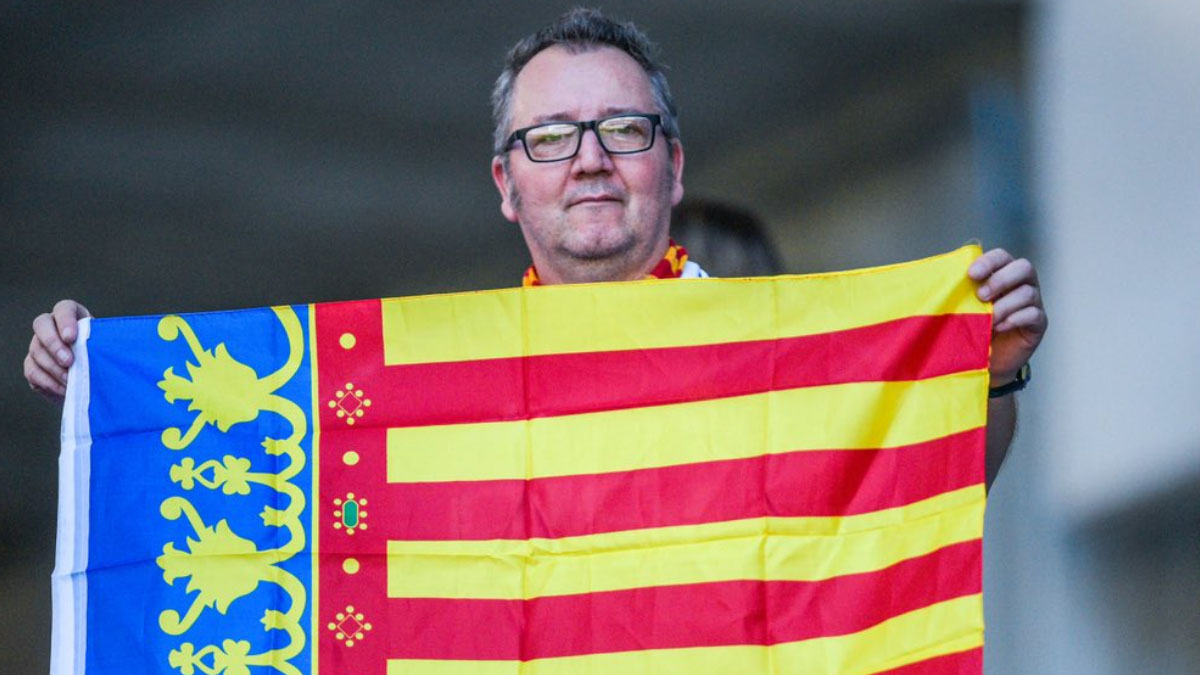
column 200, row 482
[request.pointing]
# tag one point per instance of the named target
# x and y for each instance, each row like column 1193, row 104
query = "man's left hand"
column 1018, row 318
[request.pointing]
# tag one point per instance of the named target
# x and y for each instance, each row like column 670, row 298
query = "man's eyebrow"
column 552, row 117
column 608, row 111
column 621, row 110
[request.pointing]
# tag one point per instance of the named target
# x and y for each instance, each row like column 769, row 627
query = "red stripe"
column 906, row 349
column 561, row 384
column 664, row 617
column 969, row 662
column 809, row 483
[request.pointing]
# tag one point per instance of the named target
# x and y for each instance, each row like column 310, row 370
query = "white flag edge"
column 68, row 635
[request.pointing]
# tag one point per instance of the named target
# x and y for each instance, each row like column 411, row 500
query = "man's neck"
column 591, row 271
column 667, row 263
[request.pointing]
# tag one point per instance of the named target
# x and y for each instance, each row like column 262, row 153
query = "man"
column 588, row 162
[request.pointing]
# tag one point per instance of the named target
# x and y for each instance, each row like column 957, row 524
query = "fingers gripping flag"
column 777, row 475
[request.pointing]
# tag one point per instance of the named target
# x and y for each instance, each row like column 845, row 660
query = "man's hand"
column 1018, row 318
column 50, row 351
column 1018, row 324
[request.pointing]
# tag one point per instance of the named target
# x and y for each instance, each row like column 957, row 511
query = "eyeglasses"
column 618, row 135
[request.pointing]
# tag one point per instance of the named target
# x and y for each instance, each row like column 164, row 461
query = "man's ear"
column 677, row 168
column 502, row 180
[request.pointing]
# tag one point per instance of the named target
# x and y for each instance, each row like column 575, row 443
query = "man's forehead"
column 561, row 84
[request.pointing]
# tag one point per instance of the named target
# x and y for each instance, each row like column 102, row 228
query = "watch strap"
column 1022, row 379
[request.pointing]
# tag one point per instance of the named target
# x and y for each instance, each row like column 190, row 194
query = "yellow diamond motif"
column 349, row 403
column 349, row 626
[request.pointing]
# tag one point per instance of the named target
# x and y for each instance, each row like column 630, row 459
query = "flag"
column 770, row 475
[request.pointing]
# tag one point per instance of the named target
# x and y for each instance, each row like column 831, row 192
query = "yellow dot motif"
column 349, row 626
column 350, row 458
column 349, row 403
column 350, row 513
column 347, row 341
column 350, row 566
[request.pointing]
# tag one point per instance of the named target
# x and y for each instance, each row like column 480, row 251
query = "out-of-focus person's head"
column 727, row 240
column 587, row 157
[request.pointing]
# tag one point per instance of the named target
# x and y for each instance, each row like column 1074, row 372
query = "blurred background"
column 163, row 157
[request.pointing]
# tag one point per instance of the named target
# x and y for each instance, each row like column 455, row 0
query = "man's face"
column 594, row 217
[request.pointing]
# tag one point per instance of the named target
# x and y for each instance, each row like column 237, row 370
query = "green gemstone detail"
column 350, row 514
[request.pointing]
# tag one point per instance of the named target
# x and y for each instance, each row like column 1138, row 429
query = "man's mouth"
column 594, row 199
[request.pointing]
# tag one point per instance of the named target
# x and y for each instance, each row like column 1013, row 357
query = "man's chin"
column 598, row 241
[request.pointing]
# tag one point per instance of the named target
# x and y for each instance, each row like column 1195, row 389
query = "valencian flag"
column 777, row 475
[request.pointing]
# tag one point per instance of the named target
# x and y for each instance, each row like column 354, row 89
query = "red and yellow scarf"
column 670, row 267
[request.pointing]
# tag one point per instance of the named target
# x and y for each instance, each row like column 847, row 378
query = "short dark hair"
column 581, row 30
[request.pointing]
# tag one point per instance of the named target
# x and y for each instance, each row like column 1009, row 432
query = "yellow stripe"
column 945, row 628
column 315, row 462
column 860, row 415
column 668, row 313
column 775, row 549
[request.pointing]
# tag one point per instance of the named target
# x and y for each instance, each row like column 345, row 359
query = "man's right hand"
column 50, row 351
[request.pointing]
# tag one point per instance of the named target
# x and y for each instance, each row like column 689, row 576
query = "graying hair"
column 581, row 30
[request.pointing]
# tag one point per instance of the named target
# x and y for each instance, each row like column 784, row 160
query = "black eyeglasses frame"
column 655, row 124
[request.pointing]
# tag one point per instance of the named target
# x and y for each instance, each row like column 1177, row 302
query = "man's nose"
column 592, row 157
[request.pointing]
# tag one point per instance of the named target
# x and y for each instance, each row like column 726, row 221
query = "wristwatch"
column 1023, row 377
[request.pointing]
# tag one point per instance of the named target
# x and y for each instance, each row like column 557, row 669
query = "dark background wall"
column 163, row 157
